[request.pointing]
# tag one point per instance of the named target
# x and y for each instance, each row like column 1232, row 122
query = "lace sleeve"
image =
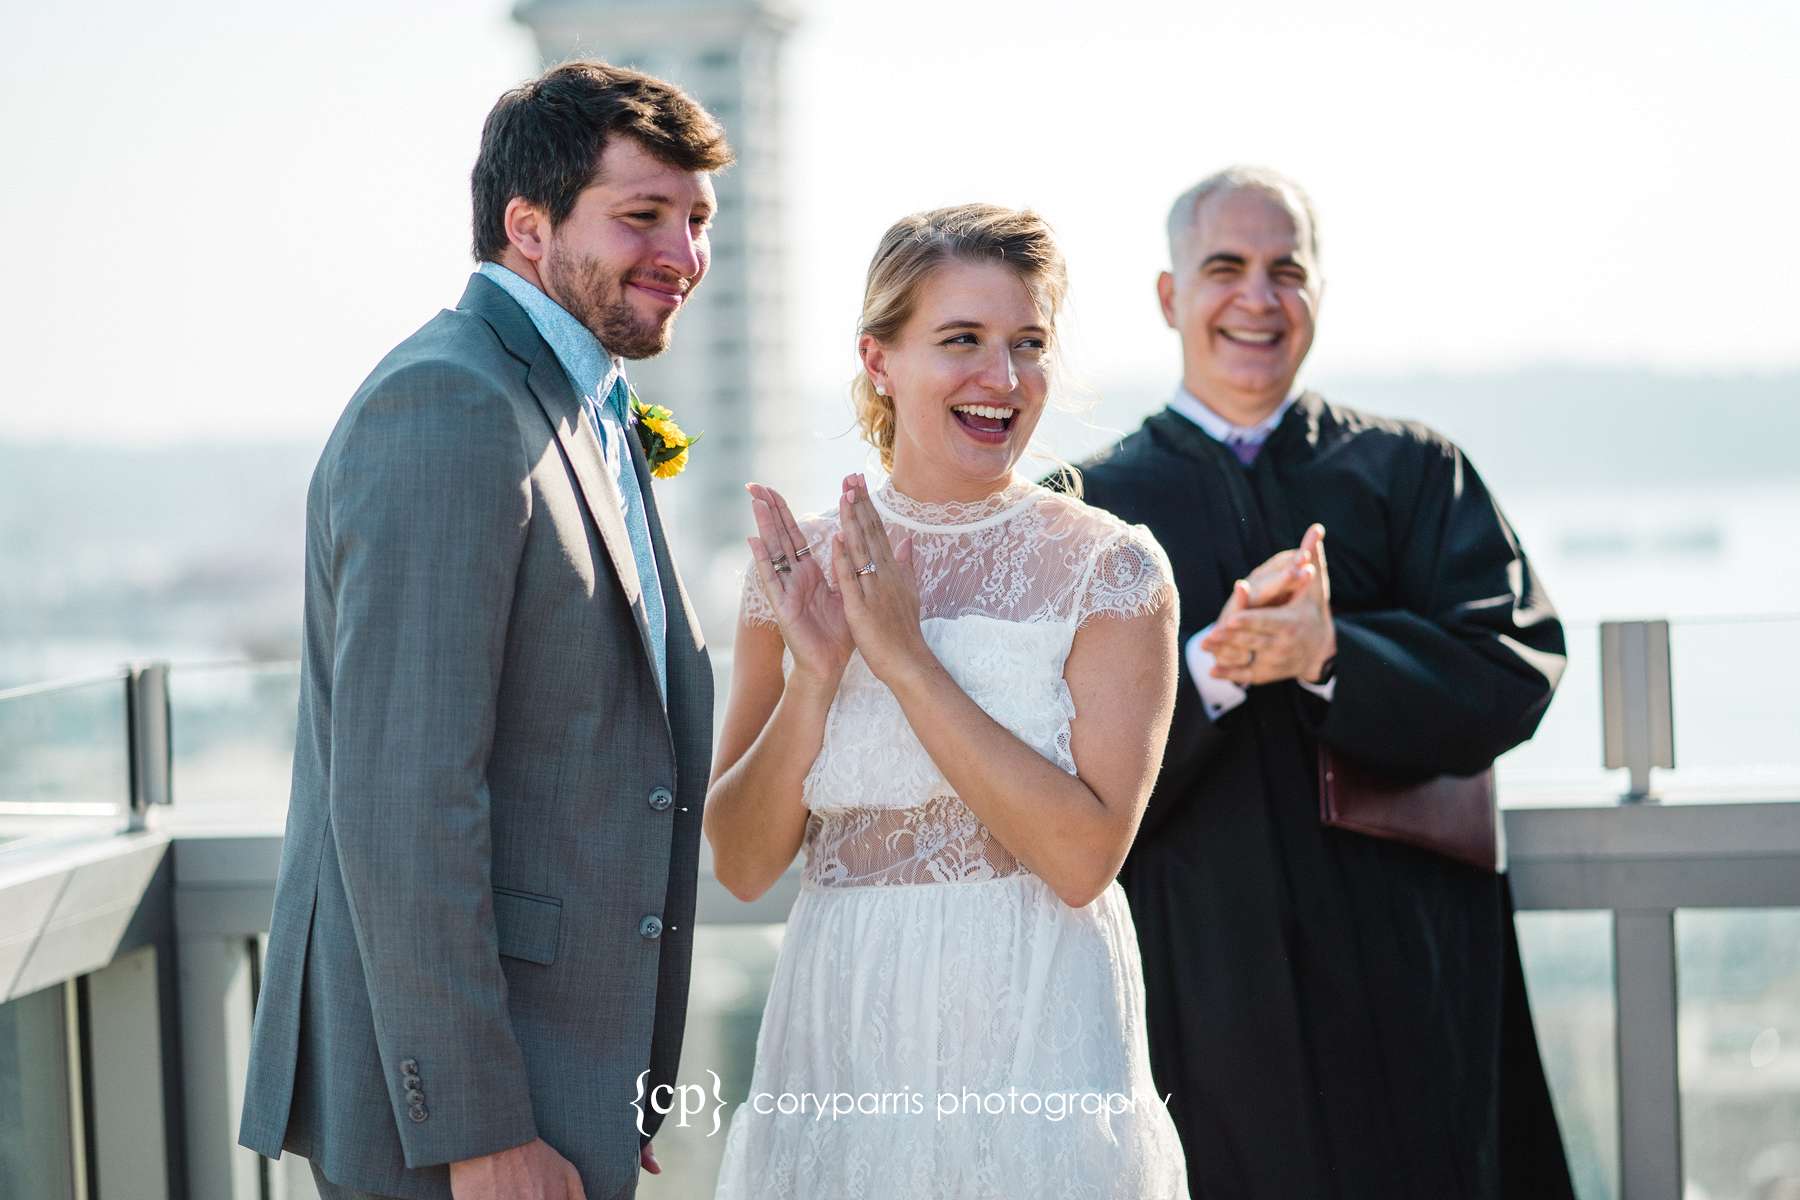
column 1130, row 577
column 754, row 608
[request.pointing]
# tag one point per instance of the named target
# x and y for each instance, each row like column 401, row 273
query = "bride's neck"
column 932, row 487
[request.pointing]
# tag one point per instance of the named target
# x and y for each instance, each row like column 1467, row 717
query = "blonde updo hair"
column 916, row 246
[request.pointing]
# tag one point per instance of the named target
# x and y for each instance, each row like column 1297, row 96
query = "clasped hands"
column 1277, row 624
column 868, row 602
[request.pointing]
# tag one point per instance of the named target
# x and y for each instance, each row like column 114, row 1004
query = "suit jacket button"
column 416, row 1112
column 409, row 1066
column 660, row 799
column 650, row 927
column 415, row 1096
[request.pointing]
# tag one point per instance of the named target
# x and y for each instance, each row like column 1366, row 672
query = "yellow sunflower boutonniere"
column 665, row 445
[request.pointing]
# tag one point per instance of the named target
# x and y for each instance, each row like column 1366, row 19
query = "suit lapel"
column 683, row 643
column 580, row 444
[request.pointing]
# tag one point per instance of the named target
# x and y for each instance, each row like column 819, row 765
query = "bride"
column 953, row 693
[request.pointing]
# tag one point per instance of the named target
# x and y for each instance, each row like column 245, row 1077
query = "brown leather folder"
column 1452, row 815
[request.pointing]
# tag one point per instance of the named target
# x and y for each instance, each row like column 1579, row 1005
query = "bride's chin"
column 992, row 469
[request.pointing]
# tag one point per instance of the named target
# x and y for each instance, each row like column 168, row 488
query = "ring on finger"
column 867, row 568
column 802, row 552
column 779, row 561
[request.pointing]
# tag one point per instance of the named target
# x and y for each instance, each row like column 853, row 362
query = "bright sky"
column 222, row 215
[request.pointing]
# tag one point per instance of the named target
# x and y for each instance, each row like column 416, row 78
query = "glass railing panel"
column 64, row 759
column 1738, row 976
column 1568, row 959
column 1737, row 719
column 1737, row 710
column 233, row 731
column 37, row 1143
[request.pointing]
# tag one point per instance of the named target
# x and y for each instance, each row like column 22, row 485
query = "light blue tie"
column 637, row 520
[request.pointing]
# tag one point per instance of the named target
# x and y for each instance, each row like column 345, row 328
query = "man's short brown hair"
column 543, row 139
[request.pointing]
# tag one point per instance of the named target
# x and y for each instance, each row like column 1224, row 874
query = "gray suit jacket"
column 484, row 918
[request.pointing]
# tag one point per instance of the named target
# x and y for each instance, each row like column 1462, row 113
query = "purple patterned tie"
column 1245, row 448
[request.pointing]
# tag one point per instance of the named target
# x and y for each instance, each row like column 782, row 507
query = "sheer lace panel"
column 939, row 841
column 1131, row 577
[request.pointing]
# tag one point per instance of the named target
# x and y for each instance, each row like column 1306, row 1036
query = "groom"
column 483, row 923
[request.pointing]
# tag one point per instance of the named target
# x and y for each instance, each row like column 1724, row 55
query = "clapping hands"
column 1277, row 624
column 807, row 608
column 823, row 617
column 879, row 584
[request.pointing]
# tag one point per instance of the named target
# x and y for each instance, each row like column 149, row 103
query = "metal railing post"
column 1637, row 701
column 1648, row 1004
column 148, row 738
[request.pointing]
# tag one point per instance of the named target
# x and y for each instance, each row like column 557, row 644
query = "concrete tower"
column 726, row 374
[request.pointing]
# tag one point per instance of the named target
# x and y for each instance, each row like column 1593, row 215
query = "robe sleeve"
column 1462, row 667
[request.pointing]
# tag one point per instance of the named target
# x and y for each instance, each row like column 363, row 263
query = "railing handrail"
column 1587, row 624
column 268, row 665
column 723, row 653
column 66, row 684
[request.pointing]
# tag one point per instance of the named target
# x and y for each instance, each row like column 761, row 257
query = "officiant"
column 1337, row 1013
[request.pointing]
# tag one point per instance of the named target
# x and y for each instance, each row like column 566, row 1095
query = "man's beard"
column 593, row 296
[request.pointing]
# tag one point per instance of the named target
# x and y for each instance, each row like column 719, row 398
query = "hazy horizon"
column 228, row 246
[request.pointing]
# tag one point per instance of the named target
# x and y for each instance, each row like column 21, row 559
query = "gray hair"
column 1185, row 212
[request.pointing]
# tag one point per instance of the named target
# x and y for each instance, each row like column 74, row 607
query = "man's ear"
column 1165, row 294
column 527, row 228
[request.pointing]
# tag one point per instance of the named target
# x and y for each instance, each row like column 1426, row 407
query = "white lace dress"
column 939, row 1023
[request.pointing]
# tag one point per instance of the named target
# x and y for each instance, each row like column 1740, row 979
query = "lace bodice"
column 1005, row 584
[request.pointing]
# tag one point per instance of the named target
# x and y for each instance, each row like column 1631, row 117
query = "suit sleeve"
column 428, row 505
column 1463, row 667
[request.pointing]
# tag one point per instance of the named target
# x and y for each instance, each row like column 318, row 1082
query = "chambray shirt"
column 594, row 373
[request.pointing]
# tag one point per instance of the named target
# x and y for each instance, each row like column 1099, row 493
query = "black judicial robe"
column 1336, row 1015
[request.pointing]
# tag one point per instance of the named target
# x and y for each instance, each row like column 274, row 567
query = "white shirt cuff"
column 1220, row 696
column 1217, row 696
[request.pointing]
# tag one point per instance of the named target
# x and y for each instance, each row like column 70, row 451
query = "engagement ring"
column 866, row 569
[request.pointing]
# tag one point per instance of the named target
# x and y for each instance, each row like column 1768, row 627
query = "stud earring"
column 881, row 390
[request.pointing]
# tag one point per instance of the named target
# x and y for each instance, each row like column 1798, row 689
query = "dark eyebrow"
column 963, row 323
column 665, row 201
column 1237, row 260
